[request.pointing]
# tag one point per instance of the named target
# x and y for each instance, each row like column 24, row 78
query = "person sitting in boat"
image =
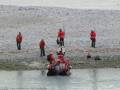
column 61, row 57
column 49, row 66
column 51, row 58
column 52, row 65
column 57, row 67
column 64, row 63
column 61, row 66
column 67, row 64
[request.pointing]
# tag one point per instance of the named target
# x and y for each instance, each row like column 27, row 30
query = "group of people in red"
column 60, row 40
column 61, row 64
column 19, row 38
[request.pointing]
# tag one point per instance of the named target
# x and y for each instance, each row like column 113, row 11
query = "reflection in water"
column 43, row 72
column 19, row 78
column 95, row 79
column 83, row 79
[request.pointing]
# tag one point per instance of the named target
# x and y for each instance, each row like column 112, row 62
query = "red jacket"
column 93, row 35
column 42, row 44
column 60, row 53
column 61, row 34
column 19, row 38
column 61, row 57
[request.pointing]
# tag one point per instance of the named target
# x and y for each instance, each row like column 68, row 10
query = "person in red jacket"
column 61, row 35
column 19, row 40
column 61, row 57
column 51, row 58
column 42, row 47
column 93, row 38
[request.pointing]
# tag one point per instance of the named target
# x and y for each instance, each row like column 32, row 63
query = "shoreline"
column 41, row 64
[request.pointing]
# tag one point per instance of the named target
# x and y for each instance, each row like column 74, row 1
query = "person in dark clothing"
column 61, row 35
column 19, row 40
column 42, row 47
column 93, row 38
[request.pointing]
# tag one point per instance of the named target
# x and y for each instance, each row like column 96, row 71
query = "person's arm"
column 58, row 34
column 95, row 34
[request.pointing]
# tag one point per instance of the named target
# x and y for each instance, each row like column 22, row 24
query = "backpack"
column 58, row 42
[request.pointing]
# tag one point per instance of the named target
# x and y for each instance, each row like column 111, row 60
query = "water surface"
column 81, row 79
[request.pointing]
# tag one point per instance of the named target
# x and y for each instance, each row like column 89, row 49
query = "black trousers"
column 42, row 50
column 61, row 41
column 18, row 46
column 93, row 42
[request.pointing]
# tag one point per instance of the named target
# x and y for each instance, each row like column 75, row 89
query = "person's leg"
column 94, row 43
column 19, row 46
column 63, row 42
column 91, row 42
column 43, row 52
column 60, row 41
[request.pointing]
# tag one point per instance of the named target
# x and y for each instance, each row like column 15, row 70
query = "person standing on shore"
column 61, row 35
column 19, row 40
column 93, row 38
column 42, row 47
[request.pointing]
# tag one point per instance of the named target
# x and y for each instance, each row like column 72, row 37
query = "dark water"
column 81, row 79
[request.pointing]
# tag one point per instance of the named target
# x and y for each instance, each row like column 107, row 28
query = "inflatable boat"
column 60, row 68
